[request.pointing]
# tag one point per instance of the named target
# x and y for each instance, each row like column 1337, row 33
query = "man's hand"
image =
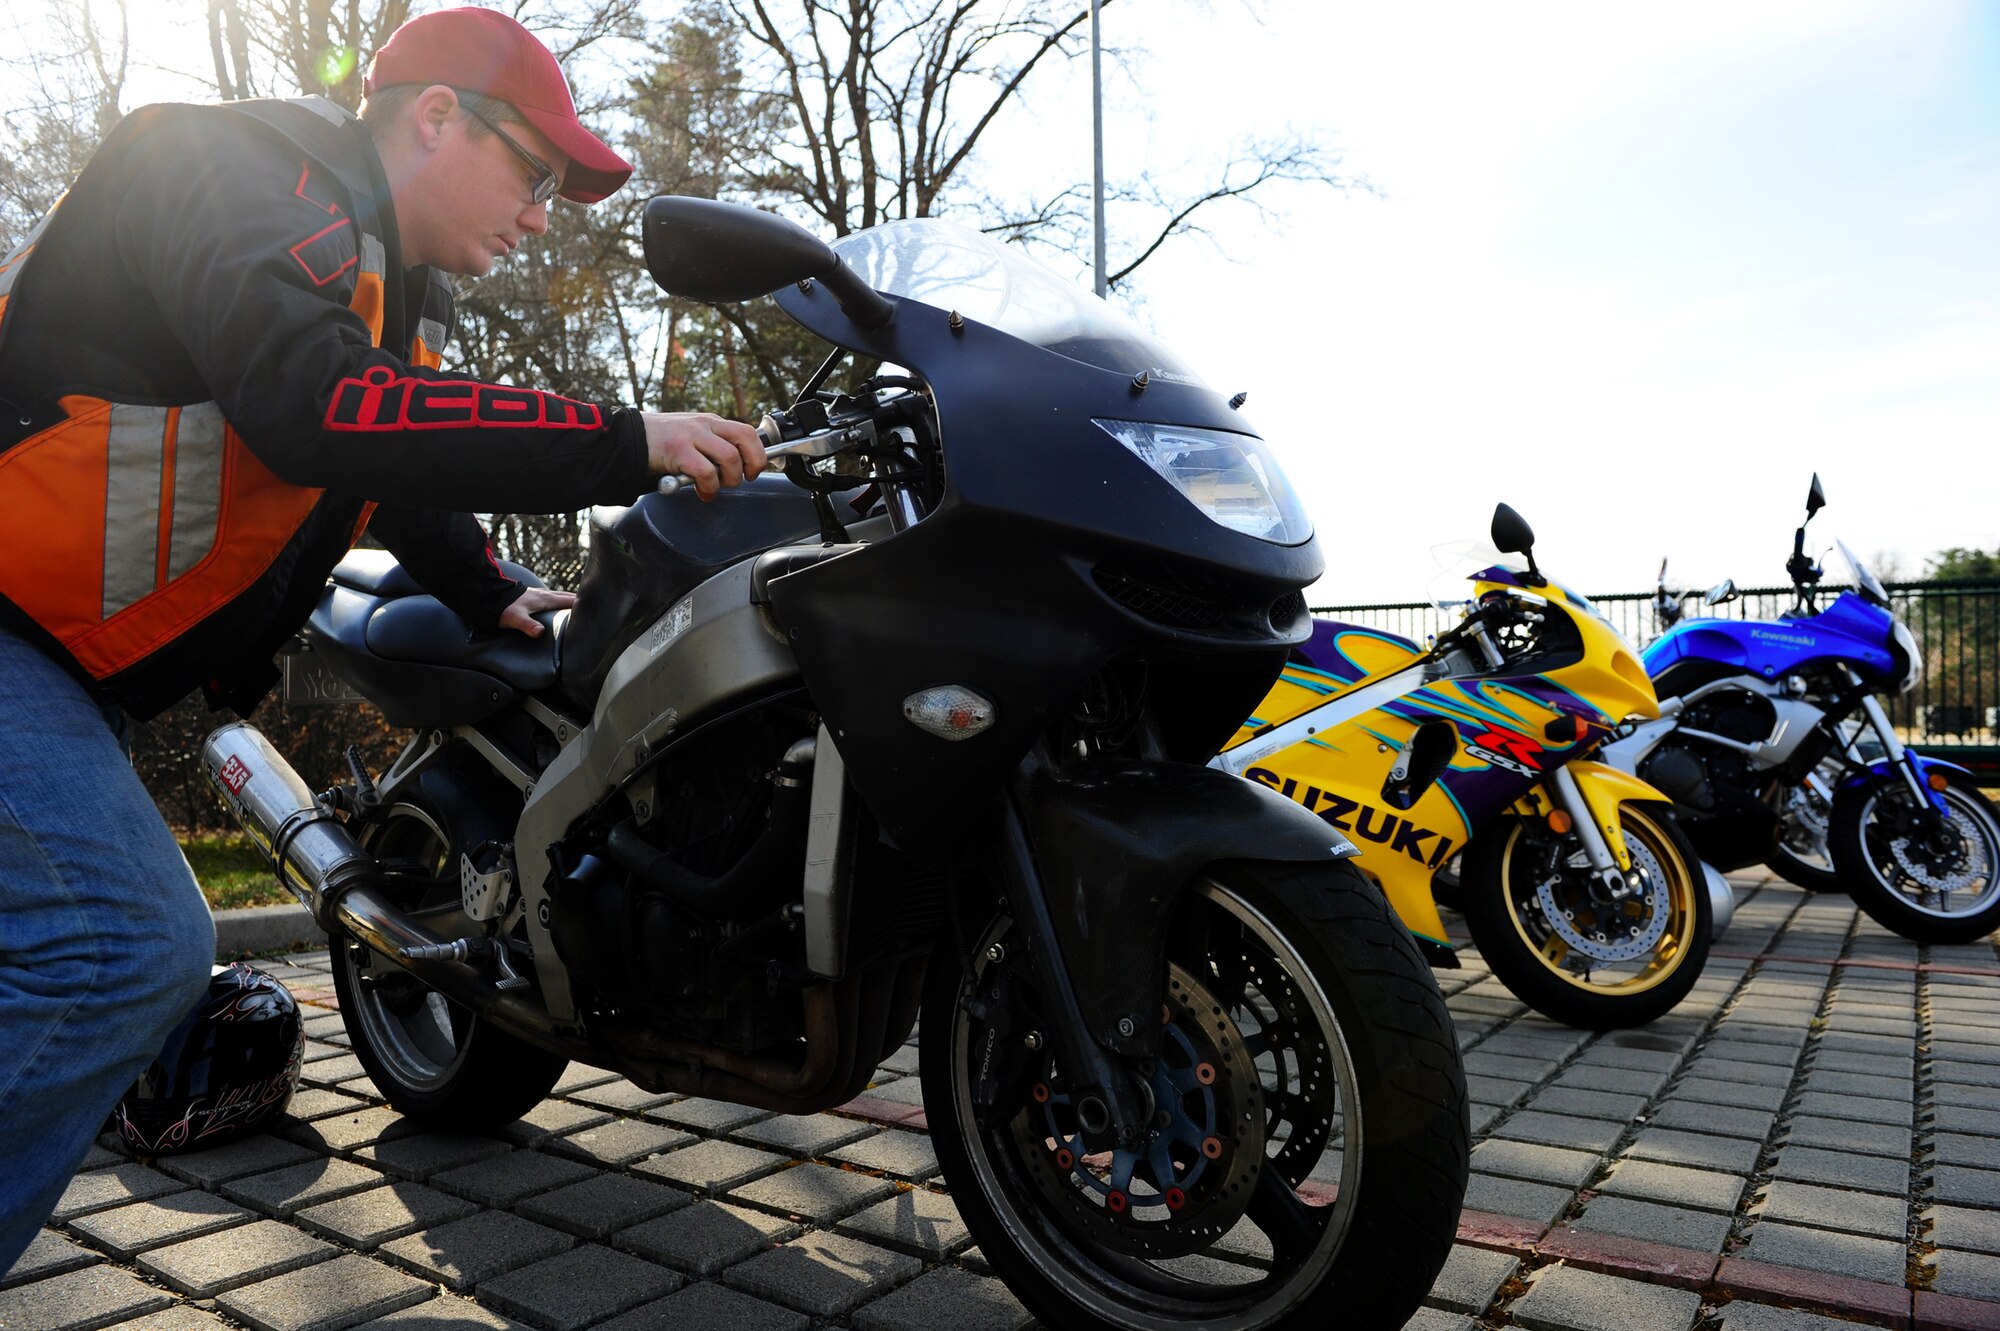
column 711, row 452
column 520, row 616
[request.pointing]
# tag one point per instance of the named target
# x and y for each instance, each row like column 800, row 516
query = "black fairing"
column 1115, row 848
column 646, row 557
column 1054, row 552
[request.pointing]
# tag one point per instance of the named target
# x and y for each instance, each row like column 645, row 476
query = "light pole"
column 1097, row 152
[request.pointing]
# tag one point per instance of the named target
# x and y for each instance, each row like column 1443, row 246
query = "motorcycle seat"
column 421, row 628
column 376, row 573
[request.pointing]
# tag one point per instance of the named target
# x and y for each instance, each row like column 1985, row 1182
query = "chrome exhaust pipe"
column 312, row 852
column 1721, row 901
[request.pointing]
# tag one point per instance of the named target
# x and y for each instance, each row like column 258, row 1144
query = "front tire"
column 1929, row 884
column 1313, row 1179
column 1548, row 932
column 431, row 1058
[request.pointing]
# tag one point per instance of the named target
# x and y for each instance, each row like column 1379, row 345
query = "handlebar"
column 783, row 436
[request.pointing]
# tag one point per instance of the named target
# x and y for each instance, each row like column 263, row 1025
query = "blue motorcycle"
column 1761, row 720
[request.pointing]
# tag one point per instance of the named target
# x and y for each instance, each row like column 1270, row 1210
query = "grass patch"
column 232, row 872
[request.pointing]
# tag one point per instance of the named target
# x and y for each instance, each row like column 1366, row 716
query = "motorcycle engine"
column 1679, row 773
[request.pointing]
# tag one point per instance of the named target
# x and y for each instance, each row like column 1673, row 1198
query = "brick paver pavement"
column 1808, row 1142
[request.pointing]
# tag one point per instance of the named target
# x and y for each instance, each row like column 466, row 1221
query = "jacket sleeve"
column 448, row 554
column 253, row 258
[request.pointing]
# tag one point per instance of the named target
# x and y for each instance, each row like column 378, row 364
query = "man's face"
column 477, row 194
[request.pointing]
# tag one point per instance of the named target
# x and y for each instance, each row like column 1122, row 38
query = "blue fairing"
column 1849, row 630
column 1884, row 770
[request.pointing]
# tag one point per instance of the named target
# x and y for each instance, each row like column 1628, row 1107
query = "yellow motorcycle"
column 1579, row 890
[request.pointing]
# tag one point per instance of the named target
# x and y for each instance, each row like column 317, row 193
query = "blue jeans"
column 105, row 941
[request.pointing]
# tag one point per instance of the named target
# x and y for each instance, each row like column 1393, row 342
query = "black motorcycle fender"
column 1113, row 851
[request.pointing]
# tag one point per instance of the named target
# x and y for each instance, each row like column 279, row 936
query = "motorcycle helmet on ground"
column 228, row 1069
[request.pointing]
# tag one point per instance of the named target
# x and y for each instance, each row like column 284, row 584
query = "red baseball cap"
column 483, row 50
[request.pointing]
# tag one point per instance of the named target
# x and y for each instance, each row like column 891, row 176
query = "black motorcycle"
column 917, row 728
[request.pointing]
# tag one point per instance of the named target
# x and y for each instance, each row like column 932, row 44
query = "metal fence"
column 1954, row 711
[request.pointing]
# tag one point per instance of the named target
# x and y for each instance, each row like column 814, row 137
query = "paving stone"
column 366, row 1220
column 127, row 1231
column 505, row 1180
column 1506, row 1196
column 179, row 1317
column 99, row 1158
column 1483, row 1063
column 1867, row 1065
column 707, row 1116
column 823, row 1274
column 1713, row 1067
column 1437, row 1319
column 1835, row 1208
column 1644, row 1083
column 212, row 1168
column 579, row 1075
column 1972, row 1122
column 916, row 1221
column 1742, row 1095
column 1680, row 1226
column 1728, row 1155
column 1750, row 1051
column 621, row 1097
column 818, row 1193
column 600, row 1206
column 311, row 1102
column 708, row 1307
column 1967, row 1187
column 1827, row 1250
column 1958, row 1227
column 1496, row 1091
column 1846, row 1134
column 704, row 1238
column 1869, row 1173
column 47, row 1254
column 958, row 1299
column 284, row 1192
column 579, row 1287
column 1966, row 1074
column 204, row 1267
column 713, row 1166
column 1470, row 1278
column 809, row 1135
column 903, row 1154
column 116, row 1186
column 1973, row 1275
column 446, row 1312
column 1742, row 1316
column 1566, row 1298
column 1589, row 1104
column 1856, row 1083
column 1950, row 1148
column 463, row 1253
column 328, row 1296
column 1720, row 1120
column 903, row 1061
column 79, row 1301
column 908, row 1091
column 1654, row 1182
column 1580, row 1134
column 1534, row 1162
column 351, row 1131
column 1617, row 1056
column 550, row 1118
column 333, row 1071
column 621, row 1142
column 1972, row 1097
column 426, row 1153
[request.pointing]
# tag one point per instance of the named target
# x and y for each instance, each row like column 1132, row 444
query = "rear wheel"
column 1931, row 879
column 1556, row 936
column 1309, row 1153
column 431, row 1058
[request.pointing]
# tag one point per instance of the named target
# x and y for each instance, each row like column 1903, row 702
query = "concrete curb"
column 256, row 929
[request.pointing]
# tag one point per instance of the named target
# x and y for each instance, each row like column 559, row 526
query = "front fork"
column 1899, row 756
column 1608, row 866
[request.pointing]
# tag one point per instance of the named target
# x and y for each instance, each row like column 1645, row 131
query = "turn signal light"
column 950, row 711
column 1937, row 781
column 1559, row 822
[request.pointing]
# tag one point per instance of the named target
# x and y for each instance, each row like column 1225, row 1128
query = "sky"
column 1638, row 271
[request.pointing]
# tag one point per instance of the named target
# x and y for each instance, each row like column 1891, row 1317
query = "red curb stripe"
column 1950, row 1312
column 1816, row 1290
column 1864, row 963
column 1503, row 1233
column 1660, row 1263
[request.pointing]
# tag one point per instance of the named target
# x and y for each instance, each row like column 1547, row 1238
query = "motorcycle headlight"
column 1230, row 477
column 1908, row 642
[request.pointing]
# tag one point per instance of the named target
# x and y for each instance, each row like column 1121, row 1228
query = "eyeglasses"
column 547, row 182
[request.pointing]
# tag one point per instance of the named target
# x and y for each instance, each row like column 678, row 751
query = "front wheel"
column 1931, row 878
column 1803, row 857
column 1309, row 1151
column 1565, row 944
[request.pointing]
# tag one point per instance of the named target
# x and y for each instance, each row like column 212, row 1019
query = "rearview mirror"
column 1815, row 498
column 1512, row 535
column 1722, row 592
column 703, row 249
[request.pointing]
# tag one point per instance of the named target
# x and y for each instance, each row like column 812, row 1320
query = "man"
column 218, row 364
